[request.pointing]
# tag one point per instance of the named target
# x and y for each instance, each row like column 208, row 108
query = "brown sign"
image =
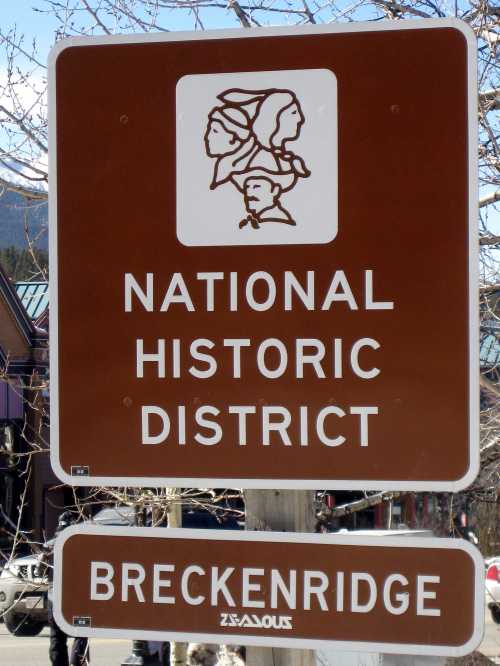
column 262, row 267
column 392, row 594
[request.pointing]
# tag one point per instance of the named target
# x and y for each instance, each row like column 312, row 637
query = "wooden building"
column 25, row 473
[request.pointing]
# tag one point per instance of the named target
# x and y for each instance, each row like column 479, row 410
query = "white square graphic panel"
column 257, row 158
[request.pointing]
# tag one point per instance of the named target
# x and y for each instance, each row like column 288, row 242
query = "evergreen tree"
column 20, row 265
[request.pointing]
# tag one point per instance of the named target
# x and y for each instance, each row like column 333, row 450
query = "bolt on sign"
column 273, row 589
column 262, row 258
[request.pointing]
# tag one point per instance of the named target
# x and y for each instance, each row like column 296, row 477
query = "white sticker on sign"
column 257, row 158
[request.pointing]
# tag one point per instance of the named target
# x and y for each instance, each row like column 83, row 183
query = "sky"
column 32, row 24
column 39, row 25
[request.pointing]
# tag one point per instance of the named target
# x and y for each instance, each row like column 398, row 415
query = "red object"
column 330, row 501
column 411, row 513
column 493, row 572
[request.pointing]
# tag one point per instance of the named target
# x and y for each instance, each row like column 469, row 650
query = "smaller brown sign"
column 308, row 591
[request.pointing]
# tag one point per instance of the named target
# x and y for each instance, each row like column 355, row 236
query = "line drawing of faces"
column 261, row 197
column 260, row 194
column 227, row 128
column 276, row 114
column 278, row 119
column 247, row 136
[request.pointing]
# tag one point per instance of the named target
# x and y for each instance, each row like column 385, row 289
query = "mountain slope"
column 13, row 212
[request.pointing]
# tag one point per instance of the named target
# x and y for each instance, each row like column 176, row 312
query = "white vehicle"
column 493, row 587
column 24, row 582
column 23, row 596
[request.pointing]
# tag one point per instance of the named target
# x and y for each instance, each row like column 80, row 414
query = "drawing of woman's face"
column 290, row 121
column 218, row 141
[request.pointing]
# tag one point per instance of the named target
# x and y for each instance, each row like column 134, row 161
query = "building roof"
column 21, row 344
column 34, row 296
column 14, row 305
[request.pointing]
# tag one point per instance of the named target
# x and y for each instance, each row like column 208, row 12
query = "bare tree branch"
column 398, row 8
column 242, row 17
column 93, row 13
column 308, row 12
column 490, row 99
column 361, row 504
column 23, row 127
column 489, row 199
column 489, row 240
column 490, row 387
column 24, row 191
column 18, row 47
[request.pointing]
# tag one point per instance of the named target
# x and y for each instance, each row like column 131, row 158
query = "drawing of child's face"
column 260, row 193
column 218, row 141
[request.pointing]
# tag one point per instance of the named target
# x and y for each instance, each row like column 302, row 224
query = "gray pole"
column 283, row 511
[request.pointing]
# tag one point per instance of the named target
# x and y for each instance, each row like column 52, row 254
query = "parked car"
column 24, row 582
column 493, row 587
column 23, row 595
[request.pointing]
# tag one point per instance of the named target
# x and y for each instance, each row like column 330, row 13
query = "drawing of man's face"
column 260, row 193
column 290, row 121
column 218, row 141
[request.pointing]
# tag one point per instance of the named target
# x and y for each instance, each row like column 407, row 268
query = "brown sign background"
column 403, row 213
column 456, row 563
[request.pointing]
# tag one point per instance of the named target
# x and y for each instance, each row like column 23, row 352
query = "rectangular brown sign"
column 262, row 272
column 394, row 594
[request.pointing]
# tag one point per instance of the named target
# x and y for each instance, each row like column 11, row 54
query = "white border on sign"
column 473, row 283
column 280, row 537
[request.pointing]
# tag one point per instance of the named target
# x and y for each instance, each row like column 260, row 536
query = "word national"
column 259, row 291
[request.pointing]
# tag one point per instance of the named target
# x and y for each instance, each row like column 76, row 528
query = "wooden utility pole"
column 280, row 511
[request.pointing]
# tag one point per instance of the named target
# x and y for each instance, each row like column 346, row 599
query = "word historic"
column 271, row 357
